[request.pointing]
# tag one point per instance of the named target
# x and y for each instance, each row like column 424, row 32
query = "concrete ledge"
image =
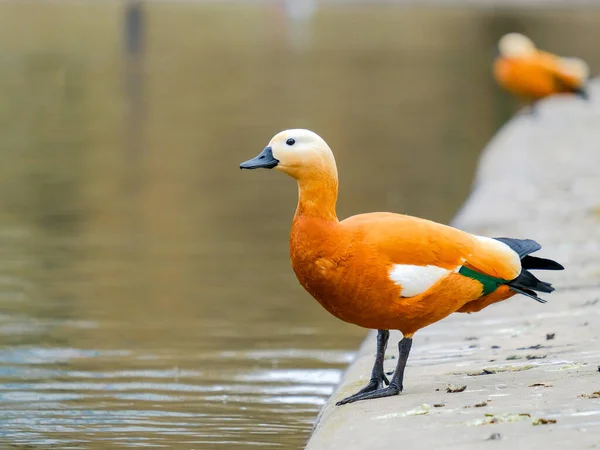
column 538, row 178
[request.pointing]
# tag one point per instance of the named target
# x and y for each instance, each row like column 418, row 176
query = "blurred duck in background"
column 532, row 74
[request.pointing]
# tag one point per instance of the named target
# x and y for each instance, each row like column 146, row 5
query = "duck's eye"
column 290, row 141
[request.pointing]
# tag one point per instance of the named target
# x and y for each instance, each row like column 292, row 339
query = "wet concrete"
column 531, row 371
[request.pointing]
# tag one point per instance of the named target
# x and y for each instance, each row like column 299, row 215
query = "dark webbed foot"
column 374, row 389
column 373, row 393
column 533, row 110
column 373, row 386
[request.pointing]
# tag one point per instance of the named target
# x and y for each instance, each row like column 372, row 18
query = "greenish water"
column 146, row 297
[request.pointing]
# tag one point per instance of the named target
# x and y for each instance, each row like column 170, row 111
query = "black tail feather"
column 526, row 283
column 522, row 246
column 533, row 262
column 526, row 280
column 528, row 293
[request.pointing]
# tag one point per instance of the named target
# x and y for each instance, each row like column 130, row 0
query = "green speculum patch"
column 489, row 283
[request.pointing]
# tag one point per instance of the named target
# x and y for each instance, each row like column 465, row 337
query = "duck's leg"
column 395, row 386
column 533, row 110
column 377, row 375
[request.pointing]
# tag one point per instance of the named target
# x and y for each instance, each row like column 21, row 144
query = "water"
column 146, row 296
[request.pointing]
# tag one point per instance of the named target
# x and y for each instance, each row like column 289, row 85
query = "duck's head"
column 516, row 45
column 299, row 153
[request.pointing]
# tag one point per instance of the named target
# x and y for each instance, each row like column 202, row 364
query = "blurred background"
column 146, row 294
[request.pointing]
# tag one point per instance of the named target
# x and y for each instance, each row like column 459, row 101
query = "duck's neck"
column 317, row 197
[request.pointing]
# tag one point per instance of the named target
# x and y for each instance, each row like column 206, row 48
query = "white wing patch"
column 415, row 280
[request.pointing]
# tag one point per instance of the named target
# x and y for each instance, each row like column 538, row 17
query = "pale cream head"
column 302, row 154
column 515, row 45
column 305, row 156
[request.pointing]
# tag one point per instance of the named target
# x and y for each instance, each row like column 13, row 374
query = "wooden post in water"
column 133, row 37
column 134, row 28
column 133, row 51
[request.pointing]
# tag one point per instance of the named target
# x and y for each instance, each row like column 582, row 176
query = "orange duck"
column 532, row 74
column 390, row 271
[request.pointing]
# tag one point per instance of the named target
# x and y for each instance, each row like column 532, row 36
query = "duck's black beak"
column 263, row 161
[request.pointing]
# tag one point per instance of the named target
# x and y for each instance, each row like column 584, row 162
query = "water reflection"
column 145, row 287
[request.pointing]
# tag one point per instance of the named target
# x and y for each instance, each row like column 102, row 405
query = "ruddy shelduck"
column 532, row 74
column 389, row 271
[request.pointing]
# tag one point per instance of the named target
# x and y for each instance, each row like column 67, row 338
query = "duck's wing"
column 567, row 74
column 409, row 241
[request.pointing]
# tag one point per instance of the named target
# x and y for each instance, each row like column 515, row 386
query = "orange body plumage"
column 346, row 267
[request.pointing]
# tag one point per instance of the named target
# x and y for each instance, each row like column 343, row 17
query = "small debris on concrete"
column 473, row 346
column 477, row 405
column 550, row 336
column 542, row 421
column 533, row 347
column 503, row 418
column 479, row 373
column 495, row 346
column 572, row 366
column 494, row 437
column 452, row 388
column 513, row 357
column 540, row 385
column 592, row 395
column 471, row 338
column 536, row 356
column 439, row 405
column 510, row 415
column 418, row 411
column 493, row 370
